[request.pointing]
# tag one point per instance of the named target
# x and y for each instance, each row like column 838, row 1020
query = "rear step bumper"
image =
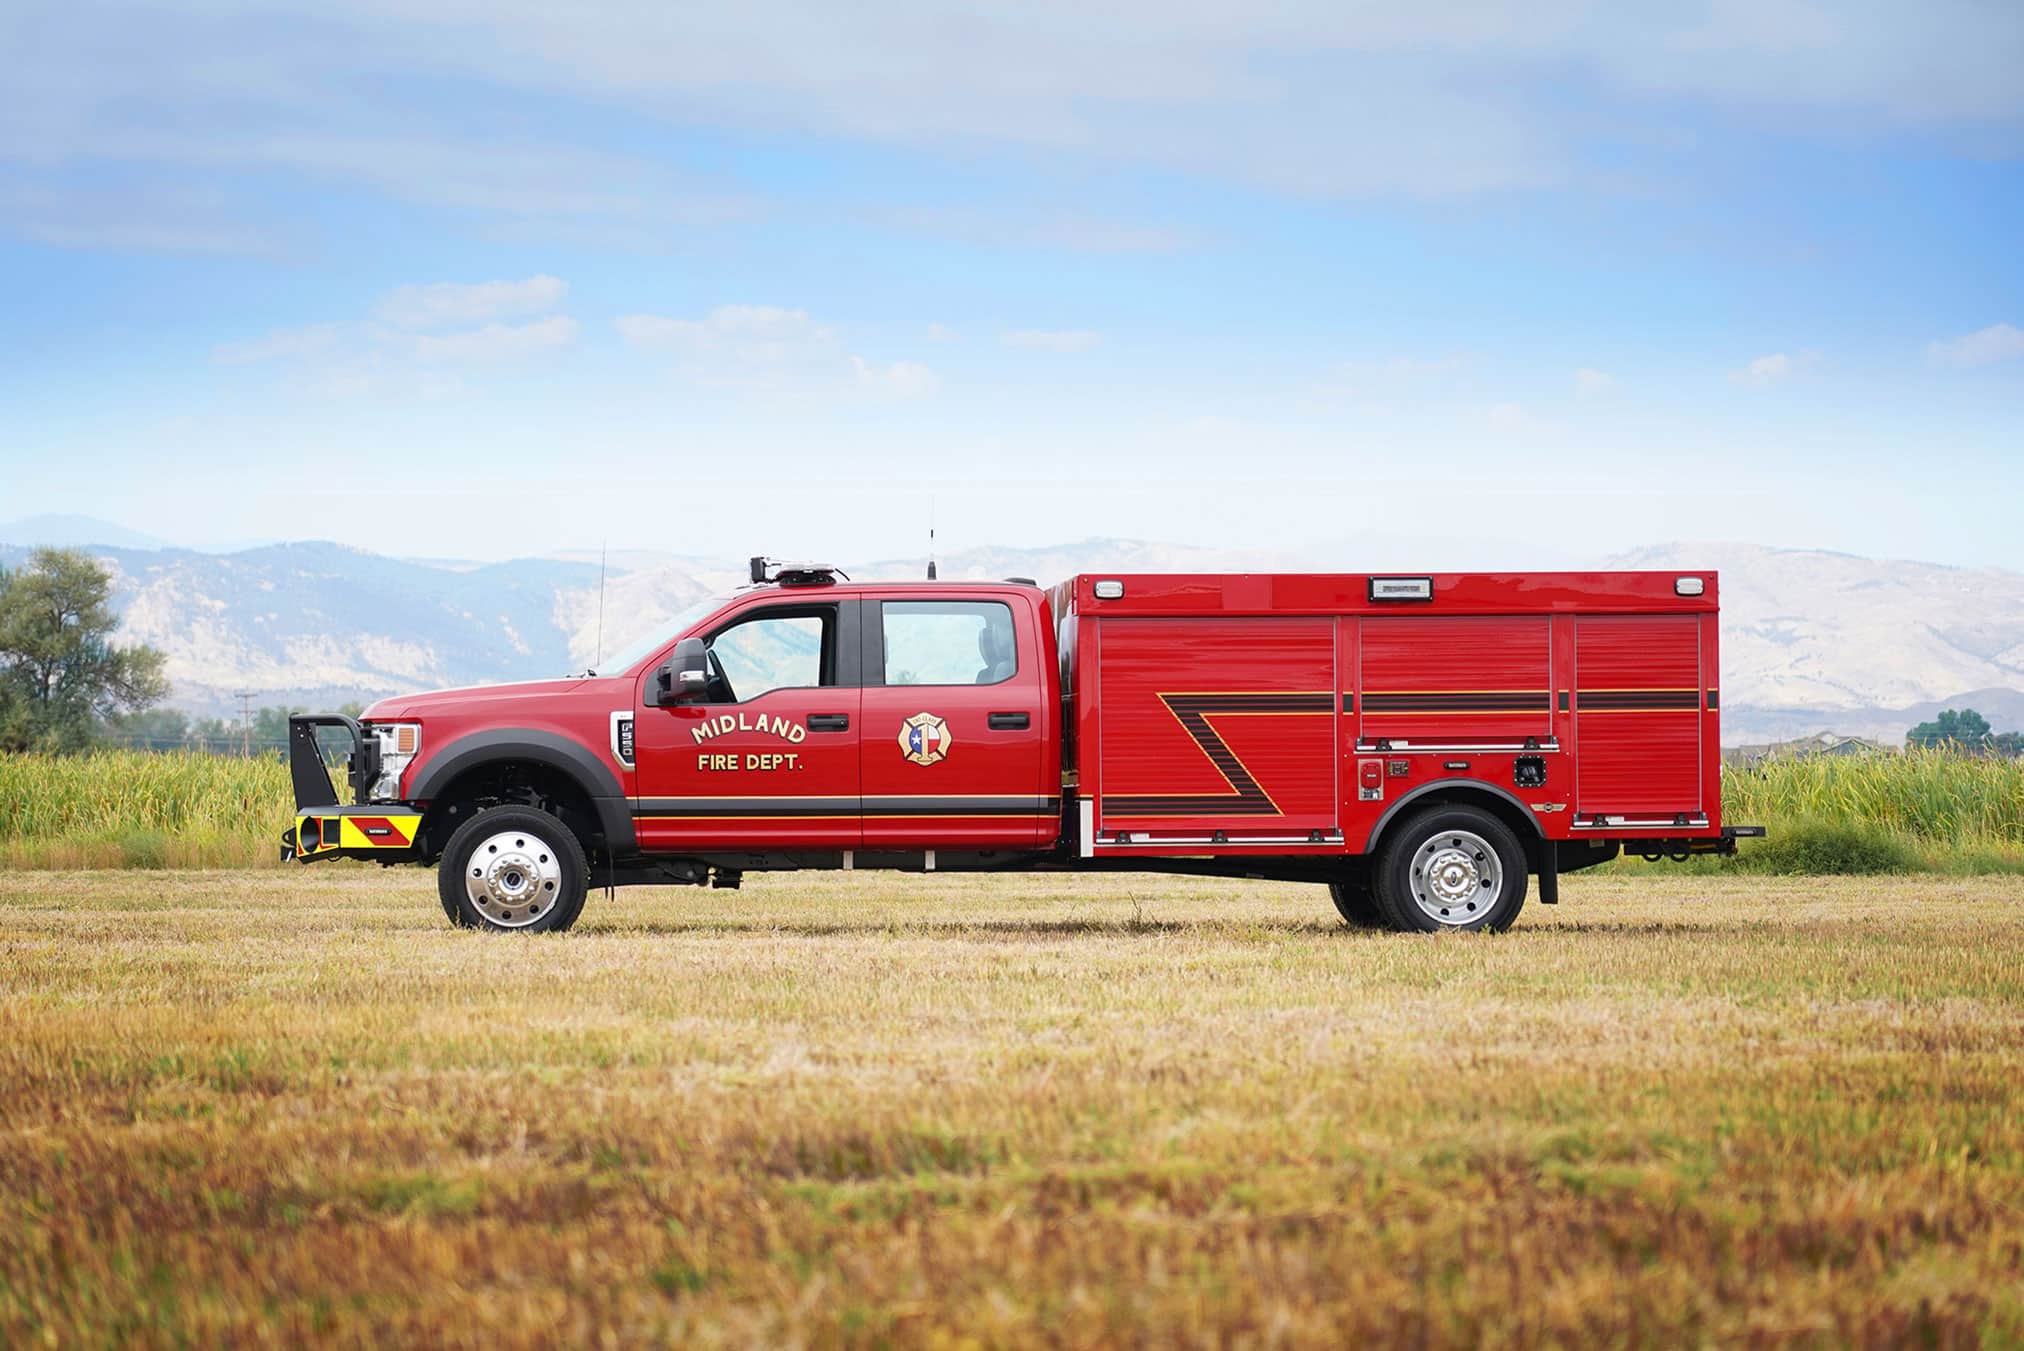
column 1682, row 849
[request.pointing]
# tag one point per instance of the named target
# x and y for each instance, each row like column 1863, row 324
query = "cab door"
column 955, row 725
column 769, row 758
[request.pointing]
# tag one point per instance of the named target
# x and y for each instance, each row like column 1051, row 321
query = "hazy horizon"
column 625, row 555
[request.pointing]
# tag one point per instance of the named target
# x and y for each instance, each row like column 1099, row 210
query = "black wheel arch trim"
column 499, row 745
column 1426, row 790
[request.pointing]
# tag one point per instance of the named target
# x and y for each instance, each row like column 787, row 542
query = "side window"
column 948, row 642
column 774, row 650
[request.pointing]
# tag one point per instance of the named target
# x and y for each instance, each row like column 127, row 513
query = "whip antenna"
column 931, row 539
column 598, row 660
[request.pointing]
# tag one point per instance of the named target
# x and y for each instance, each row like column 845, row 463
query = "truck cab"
column 1420, row 745
column 852, row 718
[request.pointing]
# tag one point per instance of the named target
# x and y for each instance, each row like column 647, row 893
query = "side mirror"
column 686, row 673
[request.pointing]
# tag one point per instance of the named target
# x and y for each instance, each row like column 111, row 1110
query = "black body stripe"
column 1644, row 700
column 1498, row 701
column 1192, row 711
column 704, row 807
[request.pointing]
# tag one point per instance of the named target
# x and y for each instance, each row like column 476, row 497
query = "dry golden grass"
column 241, row 1107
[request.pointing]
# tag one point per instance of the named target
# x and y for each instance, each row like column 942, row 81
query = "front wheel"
column 1451, row 867
column 513, row 870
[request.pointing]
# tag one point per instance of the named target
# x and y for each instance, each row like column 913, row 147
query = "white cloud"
column 1983, row 347
column 113, row 237
column 1392, row 372
column 772, row 347
column 498, row 342
column 1518, row 421
column 445, row 302
column 943, row 333
column 280, row 344
column 1592, row 384
column 1774, row 369
column 748, row 335
column 1311, row 95
column 1013, row 227
column 1389, row 384
column 360, row 356
column 145, row 217
column 901, row 380
column 1314, row 97
column 1052, row 339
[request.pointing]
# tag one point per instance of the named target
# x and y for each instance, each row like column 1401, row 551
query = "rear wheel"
column 1451, row 867
column 1355, row 902
column 513, row 870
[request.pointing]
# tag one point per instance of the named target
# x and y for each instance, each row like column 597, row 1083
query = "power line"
column 245, row 698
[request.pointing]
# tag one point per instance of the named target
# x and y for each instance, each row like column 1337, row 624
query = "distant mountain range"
column 1811, row 640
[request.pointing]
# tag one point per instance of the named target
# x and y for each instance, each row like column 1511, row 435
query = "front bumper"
column 324, row 828
column 387, row 832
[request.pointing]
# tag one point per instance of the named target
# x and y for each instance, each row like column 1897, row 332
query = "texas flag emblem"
column 925, row 739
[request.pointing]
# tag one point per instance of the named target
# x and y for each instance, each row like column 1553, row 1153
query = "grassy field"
column 136, row 809
column 1929, row 812
column 938, row 1111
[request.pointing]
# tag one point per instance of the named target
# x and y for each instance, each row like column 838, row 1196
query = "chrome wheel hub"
column 1456, row 877
column 513, row 878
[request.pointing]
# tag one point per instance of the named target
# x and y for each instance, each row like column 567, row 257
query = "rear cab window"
column 948, row 642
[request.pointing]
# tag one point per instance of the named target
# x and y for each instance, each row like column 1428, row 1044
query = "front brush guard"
column 325, row 829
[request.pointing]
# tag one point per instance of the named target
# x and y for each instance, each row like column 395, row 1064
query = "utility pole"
column 245, row 698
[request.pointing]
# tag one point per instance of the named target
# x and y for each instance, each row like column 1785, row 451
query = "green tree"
column 155, row 729
column 1966, row 728
column 61, row 675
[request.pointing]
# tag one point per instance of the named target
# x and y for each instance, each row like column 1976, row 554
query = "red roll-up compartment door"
column 1455, row 678
column 1637, row 715
column 1217, row 723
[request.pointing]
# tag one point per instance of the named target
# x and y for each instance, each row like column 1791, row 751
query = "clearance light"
column 1401, row 588
column 1110, row 590
column 1689, row 586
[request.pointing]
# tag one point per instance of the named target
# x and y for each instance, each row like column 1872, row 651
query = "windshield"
column 637, row 650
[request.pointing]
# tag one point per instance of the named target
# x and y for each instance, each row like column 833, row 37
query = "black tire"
column 1355, row 903
column 524, row 847
column 1471, row 877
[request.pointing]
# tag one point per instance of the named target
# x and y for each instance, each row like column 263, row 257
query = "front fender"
column 497, row 745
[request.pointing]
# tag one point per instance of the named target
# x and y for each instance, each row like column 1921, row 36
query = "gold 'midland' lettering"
column 768, row 724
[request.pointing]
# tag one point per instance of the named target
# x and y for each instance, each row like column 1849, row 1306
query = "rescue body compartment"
column 1294, row 714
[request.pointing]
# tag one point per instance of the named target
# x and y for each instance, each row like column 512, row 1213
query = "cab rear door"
column 954, row 751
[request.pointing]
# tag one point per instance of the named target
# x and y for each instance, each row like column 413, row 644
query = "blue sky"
column 1495, row 284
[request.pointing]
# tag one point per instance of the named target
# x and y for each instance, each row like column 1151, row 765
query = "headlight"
column 399, row 743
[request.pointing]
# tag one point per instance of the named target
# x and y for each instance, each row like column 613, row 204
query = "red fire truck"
column 1419, row 744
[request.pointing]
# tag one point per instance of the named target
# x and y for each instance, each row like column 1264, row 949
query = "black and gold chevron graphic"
column 1247, row 797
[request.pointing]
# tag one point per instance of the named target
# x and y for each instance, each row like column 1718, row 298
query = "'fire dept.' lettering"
column 769, row 724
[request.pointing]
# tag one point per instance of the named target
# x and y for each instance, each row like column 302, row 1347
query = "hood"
column 520, row 694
